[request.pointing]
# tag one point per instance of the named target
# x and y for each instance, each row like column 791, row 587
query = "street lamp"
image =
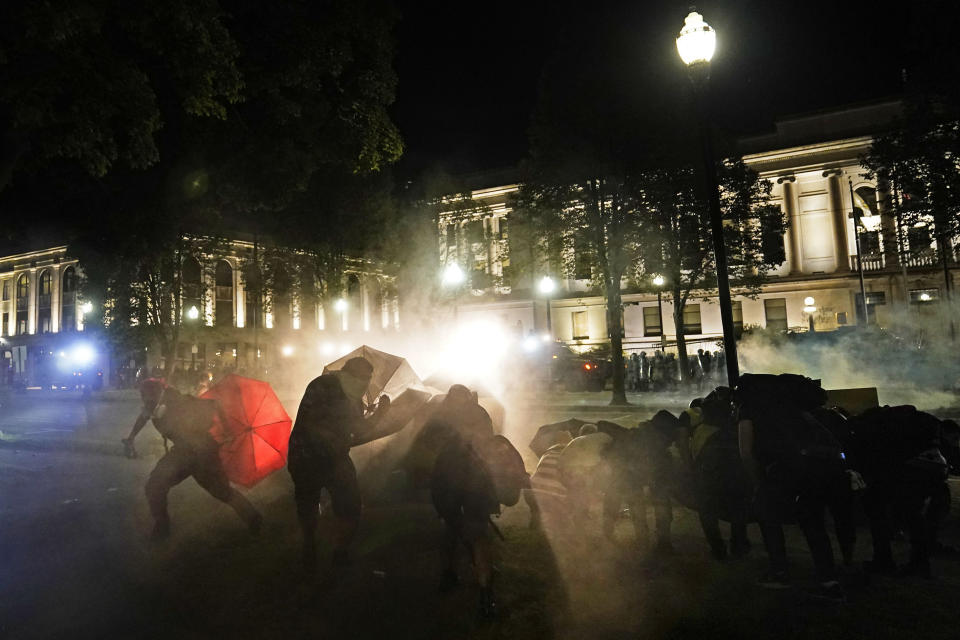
column 810, row 308
column 696, row 44
column 340, row 306
column 193, row 313
column 451, row 278
column 547, row 287
column 86, row 308
column 452, row 275
column 658, row 282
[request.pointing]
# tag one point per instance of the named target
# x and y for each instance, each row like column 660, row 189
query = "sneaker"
column 830, row 591
column 774, row 580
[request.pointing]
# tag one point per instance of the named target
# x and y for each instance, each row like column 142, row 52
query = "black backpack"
column 782, row 408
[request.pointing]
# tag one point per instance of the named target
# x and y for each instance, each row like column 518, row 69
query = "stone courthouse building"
column 813, row 164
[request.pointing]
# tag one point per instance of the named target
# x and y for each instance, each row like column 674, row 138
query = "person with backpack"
column 905, row 457
column 471, row 479
column 722, row 490
column 330, row 419
column 797, row 467
column 185, row 421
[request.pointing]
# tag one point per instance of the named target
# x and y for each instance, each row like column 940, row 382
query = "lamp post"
column 340, row 306
column 658, row 282
column 547, row 287
column 810, row 309
column 696, row 44
column 451, row 278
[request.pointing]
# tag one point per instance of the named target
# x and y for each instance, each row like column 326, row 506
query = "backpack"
column 507, row 471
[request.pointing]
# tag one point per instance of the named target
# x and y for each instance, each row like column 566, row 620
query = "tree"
column 918, row 163
column 675, row 240
column 196, row 120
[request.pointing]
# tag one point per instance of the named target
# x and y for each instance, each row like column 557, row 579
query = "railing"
column 914, row 261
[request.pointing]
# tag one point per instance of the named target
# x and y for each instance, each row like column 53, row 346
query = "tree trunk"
column 678, row 305
column 615, row 331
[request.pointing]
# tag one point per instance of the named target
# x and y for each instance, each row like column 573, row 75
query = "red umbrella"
column 253, row 429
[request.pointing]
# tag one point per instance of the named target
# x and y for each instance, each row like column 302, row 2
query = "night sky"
column 469, row 71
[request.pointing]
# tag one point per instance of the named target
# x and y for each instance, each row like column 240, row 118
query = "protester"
column 185, row 421
column 547, row 496
column 797, row 466
column 471, row 479
column 331, row 418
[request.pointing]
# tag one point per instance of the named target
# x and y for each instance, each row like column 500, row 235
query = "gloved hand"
column 128, row 449
column 383, row 403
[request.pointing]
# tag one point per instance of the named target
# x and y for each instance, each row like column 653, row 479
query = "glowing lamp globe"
column 547, row 285
column 658, row 280
column 193, row 313
column 340, row 305
column 697, row 40
column 452, row 275
column 809, row 301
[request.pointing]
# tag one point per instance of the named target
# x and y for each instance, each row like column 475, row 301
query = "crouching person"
column 185, row 421
column 471, row 479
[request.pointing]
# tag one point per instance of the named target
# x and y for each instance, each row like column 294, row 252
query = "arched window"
column 252, row 308
column 68, row 300
column 865, row 199
column 23, row 303
column 44, row 288
column 192, row 284
column 376, row 304
column 224, row 290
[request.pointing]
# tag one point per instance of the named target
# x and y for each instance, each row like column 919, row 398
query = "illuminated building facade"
column 813, row 165
column 43, row 341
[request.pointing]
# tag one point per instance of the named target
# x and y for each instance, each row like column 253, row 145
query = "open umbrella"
column 253, row 428
column 392, row 374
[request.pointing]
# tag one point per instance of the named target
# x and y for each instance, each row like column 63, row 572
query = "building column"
column 56, row 301
column 793, row 215
column 888, row 226
column 838, row 213
column 32, row 301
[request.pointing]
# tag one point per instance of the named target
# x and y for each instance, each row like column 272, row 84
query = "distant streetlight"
column 696, row 44
column 658, row 282
column 287, row 350
column 86, row 307
column 547, row 286
column 193, row 313
column 340, row 306
column 453, row 275
column 809, row 307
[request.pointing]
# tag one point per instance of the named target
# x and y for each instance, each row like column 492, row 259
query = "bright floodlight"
column 697, row 40
column 287, row 350
column 82, row 354
column 193, row 313
column 452, row 275
column 328, row 349
column 925, row 297
column 547, row 285
column 86, row 307
column 545, row 337
column 530, row 344
column 658, row 280
column 809, row 301
column 340, row 305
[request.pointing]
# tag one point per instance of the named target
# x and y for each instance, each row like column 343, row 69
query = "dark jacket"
column 327, row 420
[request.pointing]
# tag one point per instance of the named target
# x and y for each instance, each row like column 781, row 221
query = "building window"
column 5, row 325
column 737, row 308
column 475, row 231
column 874, row 298
column 251, row 283
column 503, row 229
column 43, row 302
column 691, row 319
column 6, row 290
column 68, row 300
column 581, row 329
column 919, row 239
column 775, row 312
column 23, row 296
column 870, row 243
column 651, row 321
column 223, row 281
